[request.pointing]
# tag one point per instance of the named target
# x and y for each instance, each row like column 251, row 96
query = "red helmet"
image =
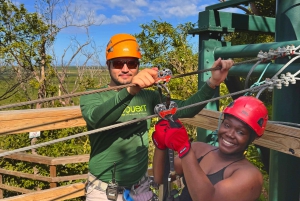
column 251, row 111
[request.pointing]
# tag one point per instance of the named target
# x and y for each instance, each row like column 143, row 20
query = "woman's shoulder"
column 245, row 168
column 201, row 148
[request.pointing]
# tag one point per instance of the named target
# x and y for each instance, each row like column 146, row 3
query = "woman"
column 216, row 173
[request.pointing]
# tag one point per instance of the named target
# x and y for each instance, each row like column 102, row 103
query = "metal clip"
column 164, row 112
column 164, row 76
column 167, row 109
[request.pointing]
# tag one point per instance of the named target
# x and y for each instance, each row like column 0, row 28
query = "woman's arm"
column 158, row 165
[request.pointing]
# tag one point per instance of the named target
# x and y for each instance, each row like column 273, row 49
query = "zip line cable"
column 110, row 88
column 285, row 66
column 250, row 72
column 280, row 52
column 95, row 91
column 259, row 88
column 285, row 123
column 122, row 124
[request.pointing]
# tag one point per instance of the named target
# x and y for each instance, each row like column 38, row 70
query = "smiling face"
column 123, row 74
column 234, row 136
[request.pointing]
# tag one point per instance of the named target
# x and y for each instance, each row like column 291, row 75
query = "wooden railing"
column 277, row 137
column 52, row 162
column 54, row 193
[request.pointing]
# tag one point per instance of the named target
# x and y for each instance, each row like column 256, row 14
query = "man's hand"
column 159, row 134
column 218, row 76
column 177, row 138
column 145, row 78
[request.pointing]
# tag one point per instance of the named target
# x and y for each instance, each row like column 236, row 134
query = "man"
column 123, row 151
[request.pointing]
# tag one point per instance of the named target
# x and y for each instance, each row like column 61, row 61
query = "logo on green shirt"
column 134, row 110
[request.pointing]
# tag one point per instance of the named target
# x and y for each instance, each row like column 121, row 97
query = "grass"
column 91, row 78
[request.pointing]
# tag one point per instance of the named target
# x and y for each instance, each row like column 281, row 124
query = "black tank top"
column 214, row 178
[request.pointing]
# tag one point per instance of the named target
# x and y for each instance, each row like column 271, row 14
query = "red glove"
column 177, row 139
column 159, row 134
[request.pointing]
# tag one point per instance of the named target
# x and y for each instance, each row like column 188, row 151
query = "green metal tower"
column 284, row 168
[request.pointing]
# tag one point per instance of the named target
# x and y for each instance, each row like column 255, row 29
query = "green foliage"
column 265, row 8
column 24, row 38
column 254, row 156
column 166, row 46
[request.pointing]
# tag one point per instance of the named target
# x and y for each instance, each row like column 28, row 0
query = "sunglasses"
column 131, row 64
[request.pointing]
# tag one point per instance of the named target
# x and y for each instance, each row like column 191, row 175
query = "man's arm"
column 206, row 91
column 105, row 109
column 100, row 110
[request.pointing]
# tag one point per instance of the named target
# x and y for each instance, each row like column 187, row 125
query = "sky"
column 123, row 16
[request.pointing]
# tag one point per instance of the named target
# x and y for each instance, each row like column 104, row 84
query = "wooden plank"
column 70, row 159
column 59, row 193
column 29, row 158
column 16, row 189
column 281, row 138
column 282, row 143
column 65, row 117
column 48, row 160
column 40, row 119
column 42, row 178
column 25, row 175
column 69, row 178
column 150, row 172
column 52, row 174
column 1, row 190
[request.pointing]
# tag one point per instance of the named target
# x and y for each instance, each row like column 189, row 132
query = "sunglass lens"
column 118, row 64
column 132, row 64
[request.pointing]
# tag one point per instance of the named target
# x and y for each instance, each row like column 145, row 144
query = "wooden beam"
column 59, row 193
column 1, row 190
column 69, row 178
column 15, row 189
column 30, row 158
column 25, row 175
column 287, row 138
column 281, row 138
column 52, row 174
column 70, row 159
column 40, row 119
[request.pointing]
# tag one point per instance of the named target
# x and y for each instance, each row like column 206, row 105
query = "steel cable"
column 122, row 124
column 110, row 88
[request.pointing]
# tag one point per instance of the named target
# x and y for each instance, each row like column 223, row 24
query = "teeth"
column 227, row 143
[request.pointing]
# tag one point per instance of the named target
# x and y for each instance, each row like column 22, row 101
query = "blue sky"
column 124, row 16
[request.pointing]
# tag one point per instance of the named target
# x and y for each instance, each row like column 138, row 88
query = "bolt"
column 292, row 150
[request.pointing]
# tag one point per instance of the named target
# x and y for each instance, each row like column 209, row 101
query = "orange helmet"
column 122, row 45
column 251, row 111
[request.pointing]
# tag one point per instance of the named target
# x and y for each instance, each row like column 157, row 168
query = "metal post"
column 284, row 169
column 207, row 43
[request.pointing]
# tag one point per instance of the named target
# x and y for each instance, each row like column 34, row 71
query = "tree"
column 23, row 40
column 63, row 14
column 27, row 49
column 166, row 46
